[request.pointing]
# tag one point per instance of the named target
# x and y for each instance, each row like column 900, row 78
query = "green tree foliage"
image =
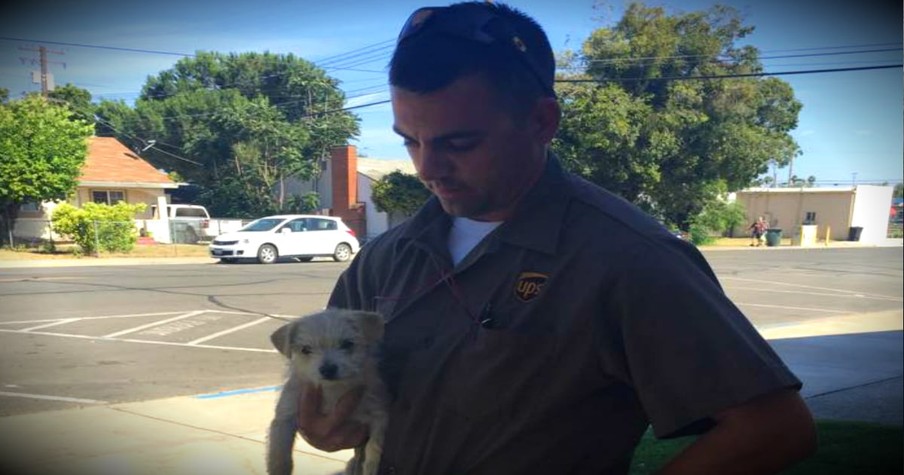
column 899, row 191
column 718, row 217
column 99, row 227
column 238, row 125
column 640, row 130
column 400, row 193
column 76, row 99
column 42, row 152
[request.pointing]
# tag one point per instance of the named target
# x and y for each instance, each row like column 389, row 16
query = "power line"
column 730, row 76
column 83, row 45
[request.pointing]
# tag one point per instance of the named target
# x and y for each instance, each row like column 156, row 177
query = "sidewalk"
column 851, row 368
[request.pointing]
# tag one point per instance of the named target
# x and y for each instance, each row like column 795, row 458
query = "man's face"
column 468, row 150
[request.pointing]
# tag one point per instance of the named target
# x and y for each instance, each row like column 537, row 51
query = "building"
column 833, row 211
column 111, row 173
column 344, row 187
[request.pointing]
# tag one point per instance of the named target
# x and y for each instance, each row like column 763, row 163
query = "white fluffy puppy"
column 336, row 350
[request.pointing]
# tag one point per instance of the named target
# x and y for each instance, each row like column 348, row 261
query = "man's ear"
column 282, row 338
column 370, row 323
column 545, row 118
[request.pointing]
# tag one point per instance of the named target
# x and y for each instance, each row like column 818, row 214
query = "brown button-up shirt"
column 555, row 343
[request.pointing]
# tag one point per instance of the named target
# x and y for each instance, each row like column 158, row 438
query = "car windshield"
column 263, row 224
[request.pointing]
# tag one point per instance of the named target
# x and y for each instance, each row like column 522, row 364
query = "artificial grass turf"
column 849, row 448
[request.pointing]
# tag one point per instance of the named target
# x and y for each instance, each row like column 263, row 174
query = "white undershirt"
column 467, row 233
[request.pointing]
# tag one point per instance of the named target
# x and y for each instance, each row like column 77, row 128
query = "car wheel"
column 267, row 254
column 343, row 253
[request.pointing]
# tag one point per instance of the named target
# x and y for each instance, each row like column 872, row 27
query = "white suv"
column 296, row 235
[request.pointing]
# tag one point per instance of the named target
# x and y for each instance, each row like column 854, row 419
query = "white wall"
column 377, row 222
column 871, row 205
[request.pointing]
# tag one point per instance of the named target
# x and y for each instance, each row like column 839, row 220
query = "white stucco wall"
column 870, row 211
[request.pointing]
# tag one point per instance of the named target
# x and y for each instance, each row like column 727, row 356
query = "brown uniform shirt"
column 555, row 343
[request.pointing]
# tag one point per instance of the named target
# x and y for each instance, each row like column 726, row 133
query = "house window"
column 108, row 197
column 31, row 206
column 810, row 217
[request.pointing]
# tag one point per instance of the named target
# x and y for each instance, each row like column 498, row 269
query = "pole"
column 42, row 52
column 96, row 241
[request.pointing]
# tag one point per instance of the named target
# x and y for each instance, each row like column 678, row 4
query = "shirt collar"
column 536, row 223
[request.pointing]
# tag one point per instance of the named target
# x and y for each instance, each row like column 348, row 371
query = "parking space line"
column 809, row 309
column 228, row 331
column 155, row 324
column 787, row 284
column 147, row 342
column 52, row 324
column 799, row 292
column 132, row 315
column 51, row 398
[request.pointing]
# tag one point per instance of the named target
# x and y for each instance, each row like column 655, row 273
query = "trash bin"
column 854, row 233
column 773, row 237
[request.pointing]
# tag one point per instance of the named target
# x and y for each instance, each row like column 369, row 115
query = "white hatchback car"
column 295, row 235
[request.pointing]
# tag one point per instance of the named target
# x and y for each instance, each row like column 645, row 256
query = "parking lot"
column 95, row 335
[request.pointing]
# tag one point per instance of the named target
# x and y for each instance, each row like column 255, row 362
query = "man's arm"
column 764, row 435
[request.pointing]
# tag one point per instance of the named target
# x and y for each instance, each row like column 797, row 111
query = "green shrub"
column 96, row 226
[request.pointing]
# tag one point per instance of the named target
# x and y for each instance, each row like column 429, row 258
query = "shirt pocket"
column 498, row 372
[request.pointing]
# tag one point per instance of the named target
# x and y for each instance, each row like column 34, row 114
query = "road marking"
column 133, row 315
column 238, row 392
column 821, row 294
column 51, row 398
column 228, row 331
column 147, row 342
column 809, row 309
column 889, row 297
column 154, row 324
column 52, row 324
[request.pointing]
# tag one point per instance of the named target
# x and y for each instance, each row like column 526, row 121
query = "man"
column 536, row 323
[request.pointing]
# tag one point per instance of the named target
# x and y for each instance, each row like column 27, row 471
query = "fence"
column 38, row 232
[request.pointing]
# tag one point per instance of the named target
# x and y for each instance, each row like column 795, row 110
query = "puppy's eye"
column 306, row 350
column 347, row 345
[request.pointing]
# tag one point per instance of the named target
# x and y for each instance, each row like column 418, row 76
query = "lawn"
column 846, row 448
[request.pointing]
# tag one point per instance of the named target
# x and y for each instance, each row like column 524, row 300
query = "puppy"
column 336, row 350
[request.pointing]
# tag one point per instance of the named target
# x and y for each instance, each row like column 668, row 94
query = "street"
column 78, row 336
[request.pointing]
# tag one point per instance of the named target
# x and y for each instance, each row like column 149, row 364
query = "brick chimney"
column 345, row 188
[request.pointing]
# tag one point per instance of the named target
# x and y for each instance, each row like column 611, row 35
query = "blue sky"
column 851, row 123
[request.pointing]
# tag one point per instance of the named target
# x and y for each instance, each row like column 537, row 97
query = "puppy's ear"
column 371, row 325
column 282, row 338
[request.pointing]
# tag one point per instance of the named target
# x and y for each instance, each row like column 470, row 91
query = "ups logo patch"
column 529, row 285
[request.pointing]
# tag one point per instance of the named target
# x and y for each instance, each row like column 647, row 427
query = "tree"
column 76, row 99
column 640, row 127
column 399, row 192
column 42, row 151
column 899, row 190
column 237, row 125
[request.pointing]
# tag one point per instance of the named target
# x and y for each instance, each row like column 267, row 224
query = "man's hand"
column 333, row 431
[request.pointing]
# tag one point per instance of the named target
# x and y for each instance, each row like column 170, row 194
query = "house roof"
column 110, row 163
column 376, row 168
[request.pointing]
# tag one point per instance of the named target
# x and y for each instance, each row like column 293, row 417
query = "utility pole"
column 790, row 171
column 46, row 79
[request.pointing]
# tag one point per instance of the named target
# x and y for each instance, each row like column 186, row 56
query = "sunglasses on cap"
column 475, row 23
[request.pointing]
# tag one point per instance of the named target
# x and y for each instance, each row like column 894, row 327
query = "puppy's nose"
column 329, row 370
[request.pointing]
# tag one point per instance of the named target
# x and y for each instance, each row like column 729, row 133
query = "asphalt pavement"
column 851, row 367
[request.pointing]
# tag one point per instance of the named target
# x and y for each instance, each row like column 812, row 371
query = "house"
column 345, row 185
column 837, row 212
column 111, row 173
